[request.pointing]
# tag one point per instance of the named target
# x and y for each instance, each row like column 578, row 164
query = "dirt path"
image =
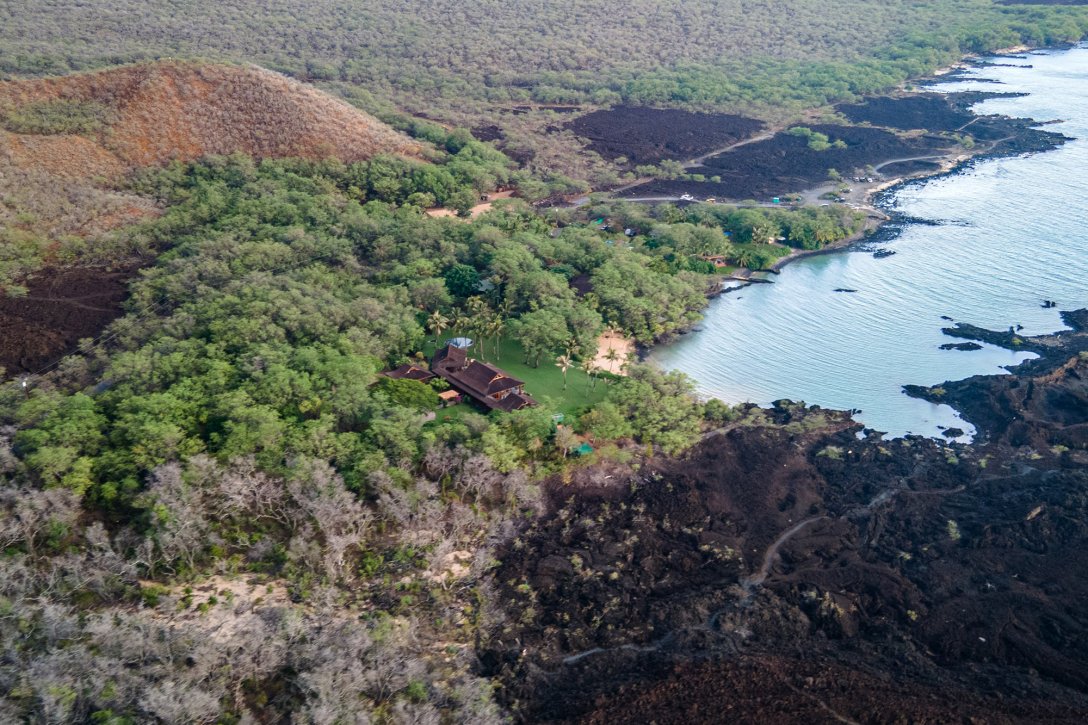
column 481, row 208
column 931, row 157
column 698, row 161
column 771, row 554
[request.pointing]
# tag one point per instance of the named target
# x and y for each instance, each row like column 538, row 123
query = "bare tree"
column 27, row 513
column 181, row 526
column 183, row 703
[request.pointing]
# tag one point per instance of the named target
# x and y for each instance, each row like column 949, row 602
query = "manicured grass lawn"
column 544, row 383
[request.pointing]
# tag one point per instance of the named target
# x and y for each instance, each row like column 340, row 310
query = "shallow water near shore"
column 1010, row 234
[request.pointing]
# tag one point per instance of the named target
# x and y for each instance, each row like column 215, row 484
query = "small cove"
column 992, row 242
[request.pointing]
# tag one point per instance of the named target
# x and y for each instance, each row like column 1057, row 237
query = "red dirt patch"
column 60, row 308
column 67, row 156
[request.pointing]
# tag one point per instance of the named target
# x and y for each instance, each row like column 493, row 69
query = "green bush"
column 49, row 118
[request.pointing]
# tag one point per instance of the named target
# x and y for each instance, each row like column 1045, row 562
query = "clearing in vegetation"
column 544, row 383
column 649, row 135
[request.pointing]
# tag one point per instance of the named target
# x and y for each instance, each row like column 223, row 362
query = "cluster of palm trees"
column 476, row 318
column 588, row 365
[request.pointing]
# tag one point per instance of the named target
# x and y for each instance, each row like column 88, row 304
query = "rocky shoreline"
column 986, row 400
column 1014, row 136
column 795, row 568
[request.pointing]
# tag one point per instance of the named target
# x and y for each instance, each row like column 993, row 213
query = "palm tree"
column 437, row 322
column 476, row 317
column 611, row 333
column 459, row 323
column 572, row 348
column 495, row 327
column 475, row 305
column 505, row 311
column 564, row 362
column 590, row 368
column 611, row 356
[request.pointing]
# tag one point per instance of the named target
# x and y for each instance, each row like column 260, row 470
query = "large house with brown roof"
column 481, row 381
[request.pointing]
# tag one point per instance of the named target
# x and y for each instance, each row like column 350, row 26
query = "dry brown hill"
column 148, row 114
column 65, row 142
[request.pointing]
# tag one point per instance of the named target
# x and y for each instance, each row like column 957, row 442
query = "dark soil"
column 582, row 284
column 490, row 132
column 648, row 135
column 783, row 691
column 950, row 113
column 927, row 111
column 61, row 307
column 786, row 164
column 1043, row 405
column 786, row 571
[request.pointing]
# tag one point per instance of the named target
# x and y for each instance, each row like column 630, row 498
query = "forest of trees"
column 589, row 51
column 230, row 425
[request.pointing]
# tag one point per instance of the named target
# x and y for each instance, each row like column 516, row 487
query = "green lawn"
column 544, row 383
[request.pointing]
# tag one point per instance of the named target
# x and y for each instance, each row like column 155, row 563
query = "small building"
column 449, row 397
column 481, row 381
column 717, row 260
column 410, row 372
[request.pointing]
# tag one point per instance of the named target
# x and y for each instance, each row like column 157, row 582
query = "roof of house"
column 480, row 380
column 449, row 395
column 409, row 372
column 448, row 358
column 487, row 378
column 514, row 401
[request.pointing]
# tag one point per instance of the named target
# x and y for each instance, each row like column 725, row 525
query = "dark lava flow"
column 796, row 569
column 61, row 307
column 648, row 135
column 785, row 163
